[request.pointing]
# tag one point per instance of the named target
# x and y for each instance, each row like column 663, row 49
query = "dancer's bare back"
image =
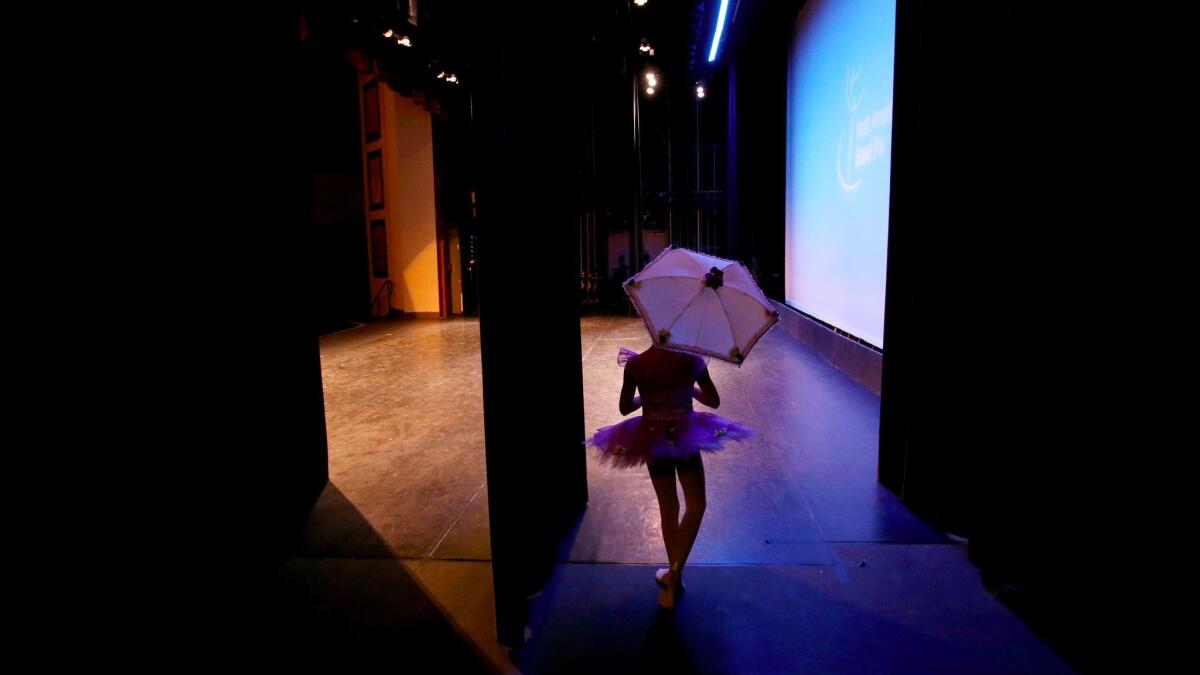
column 664, row 379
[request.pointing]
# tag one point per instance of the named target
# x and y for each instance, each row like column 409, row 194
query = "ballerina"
column 668, row 437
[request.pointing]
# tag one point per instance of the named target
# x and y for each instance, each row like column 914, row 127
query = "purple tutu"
column 643, row 439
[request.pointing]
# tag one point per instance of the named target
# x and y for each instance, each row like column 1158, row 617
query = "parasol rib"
column 728, row 320
column 685, row 309
column 671, row 324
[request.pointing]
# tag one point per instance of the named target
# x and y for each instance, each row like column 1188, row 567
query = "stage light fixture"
column 389, row 33
column 712, row 53
column 404, row 41
column 452, row 78
column 644, row 48
column 640, row 3
column 650, row 90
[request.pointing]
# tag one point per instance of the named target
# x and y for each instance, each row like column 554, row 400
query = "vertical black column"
column 894, row 405
column 733, row 223
column 953, row 248
column 230, row 369
column 635, row 230
column 757, row 143
column 526, row 117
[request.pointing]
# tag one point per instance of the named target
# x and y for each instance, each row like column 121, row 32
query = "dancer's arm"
column 706, row 393
column 629, row 402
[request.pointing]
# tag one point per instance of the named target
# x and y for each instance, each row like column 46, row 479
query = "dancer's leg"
column 662, row 475
column 691, row 477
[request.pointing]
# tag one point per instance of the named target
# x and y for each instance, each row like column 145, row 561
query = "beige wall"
column 412, row 219
column 407, row 144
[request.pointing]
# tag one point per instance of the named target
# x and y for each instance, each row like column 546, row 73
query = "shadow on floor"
column 345, row 597
column 336, row 529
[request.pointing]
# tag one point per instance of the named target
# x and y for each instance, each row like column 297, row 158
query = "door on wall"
column 653, row 243
column 618, row 256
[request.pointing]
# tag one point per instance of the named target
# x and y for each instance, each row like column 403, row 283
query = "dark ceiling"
column 678, row 31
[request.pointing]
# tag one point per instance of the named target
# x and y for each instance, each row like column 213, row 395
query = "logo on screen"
column 864, row 137
column 848, row 136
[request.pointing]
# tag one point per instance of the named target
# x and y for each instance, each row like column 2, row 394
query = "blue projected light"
column 712, row 53
column 839, row 157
